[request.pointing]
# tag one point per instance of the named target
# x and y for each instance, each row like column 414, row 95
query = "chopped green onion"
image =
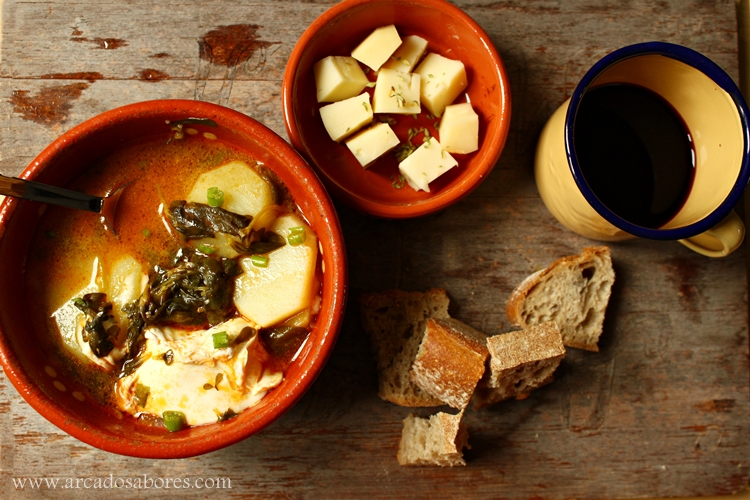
column 215, row 196
column 141, row 394
column 221, row 340
column 174, row 420
column 146, row 232
column 259, row 260
column 206, row 249
column 296, row 235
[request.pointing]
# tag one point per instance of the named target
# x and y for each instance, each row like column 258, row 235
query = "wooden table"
column 662, row 410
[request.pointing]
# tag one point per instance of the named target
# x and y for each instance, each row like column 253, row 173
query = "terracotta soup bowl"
column 36, row 371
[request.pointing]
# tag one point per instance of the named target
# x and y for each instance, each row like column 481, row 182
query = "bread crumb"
column 573, row 292
column 520, row 362
column 438, row 440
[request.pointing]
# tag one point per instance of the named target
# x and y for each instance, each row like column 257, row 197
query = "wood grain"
column 662, row 410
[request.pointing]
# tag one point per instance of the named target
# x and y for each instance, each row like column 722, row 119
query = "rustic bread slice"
column 437, row 440
column 573, row 292
column 450, row 361
column 520, row 362
column 395, row 322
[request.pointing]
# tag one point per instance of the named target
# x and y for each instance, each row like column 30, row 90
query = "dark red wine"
column 635, row 153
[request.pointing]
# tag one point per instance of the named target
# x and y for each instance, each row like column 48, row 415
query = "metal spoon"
column 28, row 190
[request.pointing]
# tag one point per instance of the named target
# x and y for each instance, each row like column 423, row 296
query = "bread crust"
column 598, row 256
column 450, row 361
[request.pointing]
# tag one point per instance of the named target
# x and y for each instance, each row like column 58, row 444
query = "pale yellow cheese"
column 396, row 92
column 408, row 54
column 341, row 119
column 338, row 78
column 459, row 129
column 375, row 50
column 372, row 143
column 269, row 295
column 426, row 164
column 442, row 80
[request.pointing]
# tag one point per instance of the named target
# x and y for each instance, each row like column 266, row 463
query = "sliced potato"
column 245, row 192
column 269, row 295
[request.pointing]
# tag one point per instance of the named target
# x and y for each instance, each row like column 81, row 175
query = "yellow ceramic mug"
column 715, row 117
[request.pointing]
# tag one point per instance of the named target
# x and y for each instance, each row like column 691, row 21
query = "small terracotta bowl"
column 69, row 406
column 449, row 32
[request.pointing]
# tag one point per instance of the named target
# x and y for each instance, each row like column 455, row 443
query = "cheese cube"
column 426, row 164
column 338, row 78
column 378, row 47
column 396, row 92
column 443, row 80
column 372, row 143
column 341, row 119
column 459, row 129
column 408, row 54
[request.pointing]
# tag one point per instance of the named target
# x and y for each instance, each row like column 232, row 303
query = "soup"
column 193, row 311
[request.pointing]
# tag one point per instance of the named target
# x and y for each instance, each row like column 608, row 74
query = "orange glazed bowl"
column 41, row 378
column 378, row 190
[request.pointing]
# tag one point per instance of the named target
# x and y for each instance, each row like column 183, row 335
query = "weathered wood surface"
column 662, row 410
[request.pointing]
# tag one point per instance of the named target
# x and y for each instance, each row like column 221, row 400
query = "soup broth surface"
column 70, row 248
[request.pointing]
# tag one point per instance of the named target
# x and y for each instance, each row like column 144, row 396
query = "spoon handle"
column 29, row 190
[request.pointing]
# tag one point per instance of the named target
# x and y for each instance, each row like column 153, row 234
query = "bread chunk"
column 450, row 361
column 520, row 362
column 395, row 322
column 573, row 292
column 437, row 440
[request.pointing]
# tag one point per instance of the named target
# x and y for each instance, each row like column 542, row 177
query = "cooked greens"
column 258, row 242
column 196, row 220
column 283, row 341
column 196, row 290
column 98, row 313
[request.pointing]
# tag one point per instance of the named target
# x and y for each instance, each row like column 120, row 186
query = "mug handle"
column 719, row 241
